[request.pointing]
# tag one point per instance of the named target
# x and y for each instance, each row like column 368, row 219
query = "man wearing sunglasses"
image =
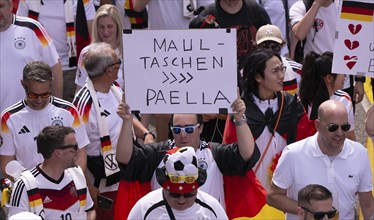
column 315, row 202
column 140, row 162
column 328, row 158
column 270, row 37
column 56, row 188
column 22, row 122
column 179, row 197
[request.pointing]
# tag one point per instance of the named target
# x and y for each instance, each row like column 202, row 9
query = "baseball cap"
column 180, row 174
column 269, row 32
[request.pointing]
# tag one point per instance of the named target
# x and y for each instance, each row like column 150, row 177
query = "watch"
column 241, row 122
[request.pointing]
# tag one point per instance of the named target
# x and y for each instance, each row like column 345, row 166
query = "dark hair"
column 37, row 71
column 313, row 89
column 199, row 118
column 50, row 138
column 255, row 65
column 312, row 192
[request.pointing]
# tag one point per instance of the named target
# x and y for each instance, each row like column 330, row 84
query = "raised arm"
column 125, row 143
column 302, row 28
column 246, row 142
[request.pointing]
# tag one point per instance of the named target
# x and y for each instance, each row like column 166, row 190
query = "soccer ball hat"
column 181, row 173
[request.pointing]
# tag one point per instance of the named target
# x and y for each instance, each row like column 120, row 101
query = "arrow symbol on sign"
column 167, row 78
column 191, row 77
column 184, row 78
column 175, row 78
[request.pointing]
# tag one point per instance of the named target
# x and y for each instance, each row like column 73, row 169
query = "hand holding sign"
column 123, row 109
column 238, row 106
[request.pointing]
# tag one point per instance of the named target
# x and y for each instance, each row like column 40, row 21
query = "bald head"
column 329, row 108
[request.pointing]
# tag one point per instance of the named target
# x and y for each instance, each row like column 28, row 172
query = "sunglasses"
column 273, row 47
column 187, row 179
column 321, row 215
column 187, row 129
column 333, row 127
column 186, row 195
column 113, row 64
column 75, row 146
column 32, row 95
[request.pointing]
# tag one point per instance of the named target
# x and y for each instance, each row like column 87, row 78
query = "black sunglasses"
column 186, row 195
column 113, row 64
column 75, row 146
column 321, row 215
column 333, row 127
column 188, row 129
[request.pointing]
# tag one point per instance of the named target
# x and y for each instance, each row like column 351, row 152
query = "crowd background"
column 361, row 108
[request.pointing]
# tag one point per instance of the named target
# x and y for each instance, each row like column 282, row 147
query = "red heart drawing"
column 350, row 61
column 354, row 29
column 351, row 44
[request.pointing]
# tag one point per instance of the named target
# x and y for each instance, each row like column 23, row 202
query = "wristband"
column 360, row 79
column 241, row 122
column 147, row 133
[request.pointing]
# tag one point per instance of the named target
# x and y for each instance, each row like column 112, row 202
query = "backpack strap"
column 79, row 180
column 35, row 199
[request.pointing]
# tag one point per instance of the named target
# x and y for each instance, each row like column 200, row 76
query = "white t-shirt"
column 164, row 15
column 52, row 17
column 21, row 124
column 60, row 198
column 326, row 20
column 108, row 103
column 214, row 183
column 196, row 211
column 303, row 163
column 24, row 41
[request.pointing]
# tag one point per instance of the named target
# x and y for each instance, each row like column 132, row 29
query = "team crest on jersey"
column 20, row 43
column 57, row 120
column 201, row 163
column 318, row 23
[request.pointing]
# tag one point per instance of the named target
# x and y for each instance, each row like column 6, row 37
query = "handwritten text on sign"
column 180, row 71
column 354, row 43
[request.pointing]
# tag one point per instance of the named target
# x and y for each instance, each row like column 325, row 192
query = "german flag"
column 358, row 11
column 138, row 20
column 82, row 34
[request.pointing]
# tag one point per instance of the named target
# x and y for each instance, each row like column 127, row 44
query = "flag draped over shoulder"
column 245, row 197
column 82, row 34
column 129, row 192
column 138, row 20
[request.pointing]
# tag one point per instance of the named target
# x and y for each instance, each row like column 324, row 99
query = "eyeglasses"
column 75, row 146
column 186, row 195
column 118, row 62
column 187, row 129
column 333, row 127
column 279, row 69
column 32, row 95
column 273, row 46
column 187, row 179
column 321, row 215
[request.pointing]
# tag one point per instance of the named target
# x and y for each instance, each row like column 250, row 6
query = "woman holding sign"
column 275, row 118
column 319, row 84
column 107, row 27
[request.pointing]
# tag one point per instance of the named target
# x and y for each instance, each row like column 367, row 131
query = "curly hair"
column 313, row 89
column 255, row 65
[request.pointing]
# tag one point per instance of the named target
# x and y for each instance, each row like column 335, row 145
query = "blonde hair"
column 111, row 11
